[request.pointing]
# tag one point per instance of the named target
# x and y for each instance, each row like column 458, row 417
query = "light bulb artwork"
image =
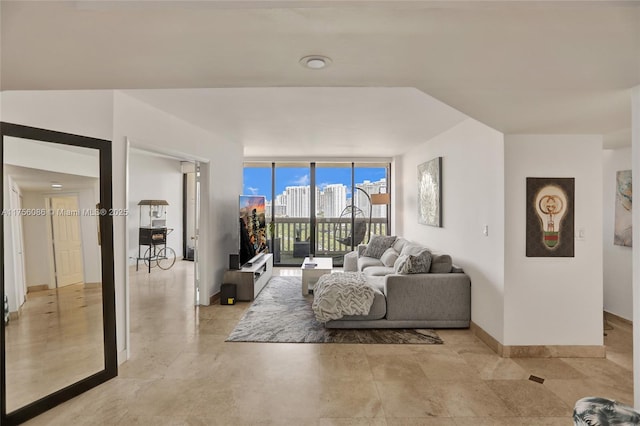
column 550, row 217
column 551, row 206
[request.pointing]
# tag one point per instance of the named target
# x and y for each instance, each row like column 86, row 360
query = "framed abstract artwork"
column 550, row 217
column 430, row 192
column 622, row 223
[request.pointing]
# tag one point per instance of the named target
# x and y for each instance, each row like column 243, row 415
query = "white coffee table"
column 310, row 275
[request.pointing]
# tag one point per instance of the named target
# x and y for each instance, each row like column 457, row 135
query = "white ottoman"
column 351, row 262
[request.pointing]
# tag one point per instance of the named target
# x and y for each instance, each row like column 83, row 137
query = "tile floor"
column 181, row 372
column 56, row 341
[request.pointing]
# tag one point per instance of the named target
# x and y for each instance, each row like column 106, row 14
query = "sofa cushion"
column 399, row 244
column 441, row 264
column 412, row 248
column 378, row 271
column 377, row 282
column 389, row 257
column 366, row 262
column 417, row 263
column 378, row 245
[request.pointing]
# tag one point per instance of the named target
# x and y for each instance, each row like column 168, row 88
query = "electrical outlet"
column 485, row 230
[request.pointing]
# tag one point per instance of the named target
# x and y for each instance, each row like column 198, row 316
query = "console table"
column 250, row 279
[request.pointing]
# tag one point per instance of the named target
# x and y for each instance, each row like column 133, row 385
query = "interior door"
column 67, row 242
column 196, row 234
column 16, row 226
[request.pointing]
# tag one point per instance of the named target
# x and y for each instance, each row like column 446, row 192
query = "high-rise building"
column 361, row 201
column 333, row 200
column 298, row 201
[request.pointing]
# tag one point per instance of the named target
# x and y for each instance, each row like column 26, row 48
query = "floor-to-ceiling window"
column 333, row 210
column 292, row 219
column 324, row 208
column 372, row 196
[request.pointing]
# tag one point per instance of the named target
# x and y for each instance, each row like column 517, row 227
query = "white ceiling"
column 520, row 67
column 38, row 180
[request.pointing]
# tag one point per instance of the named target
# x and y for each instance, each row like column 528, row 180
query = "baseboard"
column 92, row 285
column 213, row 299
column 608, row 316
column 486, row 338
column 39, row 287
column 538, row 351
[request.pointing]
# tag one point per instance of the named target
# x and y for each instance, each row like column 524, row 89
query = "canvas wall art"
column 550, row 217
column 430, row 192
column 622, row 222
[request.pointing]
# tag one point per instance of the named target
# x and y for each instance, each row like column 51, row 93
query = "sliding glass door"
column 333, row 211
column 372, row 196
column 326, row 209
column 292, row 220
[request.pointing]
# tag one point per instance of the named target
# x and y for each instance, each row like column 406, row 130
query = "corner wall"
column 116, row 116
column 618, row 268
column 473, row 196
column 554, row 301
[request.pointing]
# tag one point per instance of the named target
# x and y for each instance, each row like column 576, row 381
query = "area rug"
column 281, row 314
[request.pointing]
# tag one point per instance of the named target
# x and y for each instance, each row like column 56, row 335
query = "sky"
column 257, row 181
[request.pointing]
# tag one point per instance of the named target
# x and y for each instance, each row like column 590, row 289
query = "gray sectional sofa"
column 406, row 298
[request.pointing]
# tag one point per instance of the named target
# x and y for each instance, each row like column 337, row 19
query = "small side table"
column 311, row 274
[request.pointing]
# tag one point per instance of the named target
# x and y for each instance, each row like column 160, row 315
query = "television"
column 253, row 227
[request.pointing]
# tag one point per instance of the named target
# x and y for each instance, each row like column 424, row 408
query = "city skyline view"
column 332, row 193
column 257, row 180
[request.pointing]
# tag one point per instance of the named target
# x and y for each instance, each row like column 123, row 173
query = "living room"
column 516, row 301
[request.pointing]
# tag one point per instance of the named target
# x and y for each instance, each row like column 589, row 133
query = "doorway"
column 66, row 241
column 161, row 176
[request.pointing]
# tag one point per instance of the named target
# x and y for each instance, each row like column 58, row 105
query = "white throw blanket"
column 341, row 293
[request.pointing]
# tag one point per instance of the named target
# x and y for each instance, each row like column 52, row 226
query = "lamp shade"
column 381, row 199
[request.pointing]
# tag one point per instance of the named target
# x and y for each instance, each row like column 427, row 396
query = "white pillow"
column 389, row 257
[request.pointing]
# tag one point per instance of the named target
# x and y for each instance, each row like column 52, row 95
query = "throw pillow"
column 400, row 262
column 441, row 264
column 378, row 245
column 389, row 257
column 418, row 263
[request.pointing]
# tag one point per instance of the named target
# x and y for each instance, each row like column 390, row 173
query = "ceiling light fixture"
column 315, row 62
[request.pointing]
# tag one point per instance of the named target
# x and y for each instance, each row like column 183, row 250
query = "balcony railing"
column 292, row 234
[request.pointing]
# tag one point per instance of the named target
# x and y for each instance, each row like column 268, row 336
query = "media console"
column 252, row 278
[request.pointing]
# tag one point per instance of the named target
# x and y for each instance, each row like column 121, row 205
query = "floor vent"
column 536, row 379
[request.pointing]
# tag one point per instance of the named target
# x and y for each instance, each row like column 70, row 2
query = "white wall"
column 88, row 113
column 82, row 112
column 473, row 196
column 151, row 129
column 36, row 249
column 635, row 150
column 554, row 301
column 36, row 236
column 617, row 265
column 155, row 178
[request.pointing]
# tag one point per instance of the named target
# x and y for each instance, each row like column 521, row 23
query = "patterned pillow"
column 416, row 263
column 389, row 257
column 378, row 245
